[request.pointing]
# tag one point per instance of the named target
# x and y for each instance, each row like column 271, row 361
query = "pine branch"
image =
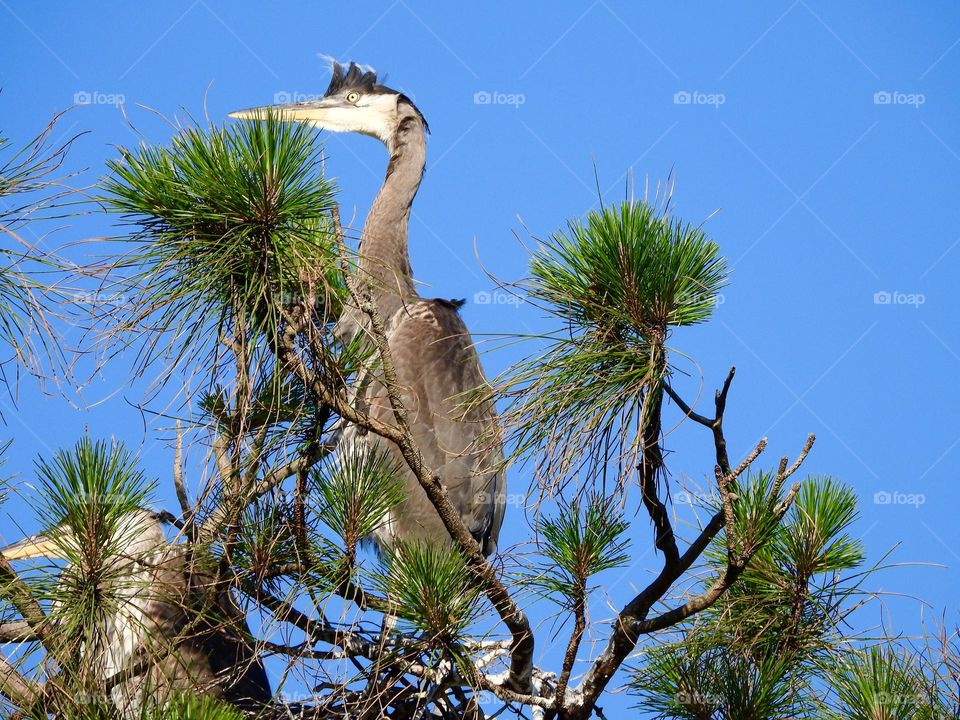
column 632, row 621
column 15, row 687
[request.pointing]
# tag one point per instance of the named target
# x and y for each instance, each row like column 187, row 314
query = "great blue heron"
column 436, row 363
column 160, row 627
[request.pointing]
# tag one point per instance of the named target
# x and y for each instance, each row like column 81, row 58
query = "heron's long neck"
column 384, row 254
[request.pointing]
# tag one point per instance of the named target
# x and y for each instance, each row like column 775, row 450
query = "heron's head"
column 355, row 102
column 136, row 533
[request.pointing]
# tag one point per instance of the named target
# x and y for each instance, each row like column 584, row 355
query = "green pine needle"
column 628, row 271
column 787, row 602
column 691, row 680
column 265, row 537
column 194, row 707
column 815, row 535
column 580, row 542
column 430, row 586
column 87, row 495
column 86, row 492
column 28, row 187
column 231, row 224
column 356, row 490
column 618, row 281
column 881, row 683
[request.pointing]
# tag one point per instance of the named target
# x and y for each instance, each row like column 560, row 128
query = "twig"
column 181, row 489
column 570, row 657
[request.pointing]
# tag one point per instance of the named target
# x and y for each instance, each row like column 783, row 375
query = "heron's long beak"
column 35, row 546
column 318, row 112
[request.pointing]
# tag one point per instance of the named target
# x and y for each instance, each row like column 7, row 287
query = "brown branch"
column 221, row 452
column 512, row 615
column 300, row 515
column 716, row 422
column 624, row 636
column 29, row 608
column 505, row 693
column 685, row 409
column 256, row 450
column 749, row 459
column 570, row 657
column 227, row 514
column 178, row 485
column 719, row 441
column 807, row 446
column 313, row 629
column 651, row 461
column 693, row 606
column 17, row 631
column 313, row 453
column 727, row 497
column 15, row 687
column 36, row 622
column 344, row 587
column 729, row 575
column 632, row 621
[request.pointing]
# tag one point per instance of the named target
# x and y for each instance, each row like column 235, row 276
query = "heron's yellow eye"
column 353, row 97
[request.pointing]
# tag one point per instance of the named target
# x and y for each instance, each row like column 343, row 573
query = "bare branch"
column 735, row 566
column 748, row 460
column 685, row 409
column 313, row 629
column 181, row 490
column 716, row 423
column 15, row 687
column 570, row 657
column 651, row 460
column 17, row 631
column 807, row 446
column 632, row 621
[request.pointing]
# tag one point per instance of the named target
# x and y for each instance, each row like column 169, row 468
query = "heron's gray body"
column 458, row 437
column 452, row 419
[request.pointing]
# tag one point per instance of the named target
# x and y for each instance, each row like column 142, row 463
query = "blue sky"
column 825, row 134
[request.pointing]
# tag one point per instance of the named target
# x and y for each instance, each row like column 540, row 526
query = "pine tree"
column 233, row 271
